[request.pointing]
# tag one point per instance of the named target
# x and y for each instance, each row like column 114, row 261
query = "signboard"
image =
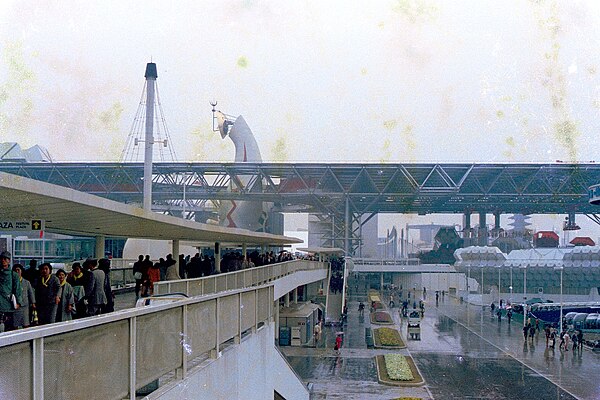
column 22, row 225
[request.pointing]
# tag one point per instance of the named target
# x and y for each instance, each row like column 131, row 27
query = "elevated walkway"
column 218, row 344
column 215, row 346
column 285, row 276
column 409, row 265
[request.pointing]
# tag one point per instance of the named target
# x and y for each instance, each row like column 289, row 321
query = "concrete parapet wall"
column 250, row 370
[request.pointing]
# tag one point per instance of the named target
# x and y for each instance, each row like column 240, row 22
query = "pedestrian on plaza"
column 501, row 301
column 537, row 326
column 531, row 332
column 525, row 332
column 547, row 332
column 499, row 314
column 317, row 333
column 338, row 343
column 552, row 338
column 361, row 309
column 580, row 339
column 566, row 340
column 492, row 308
column 437, row 297
column 509, row 315
column 574, row 339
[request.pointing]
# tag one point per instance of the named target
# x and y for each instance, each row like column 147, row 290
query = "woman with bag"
column 21, row 316
column 10, row 293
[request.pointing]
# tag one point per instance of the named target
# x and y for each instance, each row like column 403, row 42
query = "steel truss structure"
column 323, row 188
column 342, row 192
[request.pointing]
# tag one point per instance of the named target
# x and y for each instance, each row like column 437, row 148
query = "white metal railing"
column 399, row 261
column 121, row 352
column 236, row 280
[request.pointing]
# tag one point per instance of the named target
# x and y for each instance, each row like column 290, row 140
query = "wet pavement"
column 463, row 354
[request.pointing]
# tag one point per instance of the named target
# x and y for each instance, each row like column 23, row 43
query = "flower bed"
column 398, row 370
column 388, row 337
column 381, row 317
column 397, row 367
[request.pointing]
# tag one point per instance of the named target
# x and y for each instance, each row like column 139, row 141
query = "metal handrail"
column 236, row 279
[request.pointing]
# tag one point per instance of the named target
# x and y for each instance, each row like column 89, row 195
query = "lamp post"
column 524, row 267
column 482, row 302
column 511, row 285
column 499, row 267
column 468, row 278
column 560, row 324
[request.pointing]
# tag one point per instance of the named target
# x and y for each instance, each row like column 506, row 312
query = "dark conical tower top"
column 151, row 71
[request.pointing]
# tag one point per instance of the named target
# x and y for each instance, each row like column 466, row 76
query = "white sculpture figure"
column 233, row 213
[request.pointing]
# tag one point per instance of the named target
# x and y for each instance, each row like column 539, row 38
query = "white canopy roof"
column 71, row 212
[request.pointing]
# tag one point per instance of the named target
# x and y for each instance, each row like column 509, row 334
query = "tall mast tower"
column 149, row 127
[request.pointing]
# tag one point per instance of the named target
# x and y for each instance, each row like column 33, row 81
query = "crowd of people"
column 337, row 275
column 37, row 296
column 147, row 273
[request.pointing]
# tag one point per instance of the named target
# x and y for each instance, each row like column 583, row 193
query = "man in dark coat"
column 10, row 284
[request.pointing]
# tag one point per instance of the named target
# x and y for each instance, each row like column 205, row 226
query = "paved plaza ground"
column 463, row 353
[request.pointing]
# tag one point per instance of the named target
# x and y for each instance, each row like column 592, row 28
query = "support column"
column 467, row 230
column 175, row 252
column 482, row 234
column 244, row 249
column 497, row 220
column 217, row 257
column 286, row 300
column 277, row 321
column 100, row 247
column 150, row 76
column 381, row 283
column 295, row 296
column 347, row 228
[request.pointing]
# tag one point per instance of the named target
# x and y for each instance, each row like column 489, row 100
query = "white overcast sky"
column 390, row 81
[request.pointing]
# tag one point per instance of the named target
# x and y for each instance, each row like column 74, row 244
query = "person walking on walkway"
column 21, row 316
column 525, row 332
column 95, row 293
column 46, row 295
column 361, row 309
column 10, row 285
